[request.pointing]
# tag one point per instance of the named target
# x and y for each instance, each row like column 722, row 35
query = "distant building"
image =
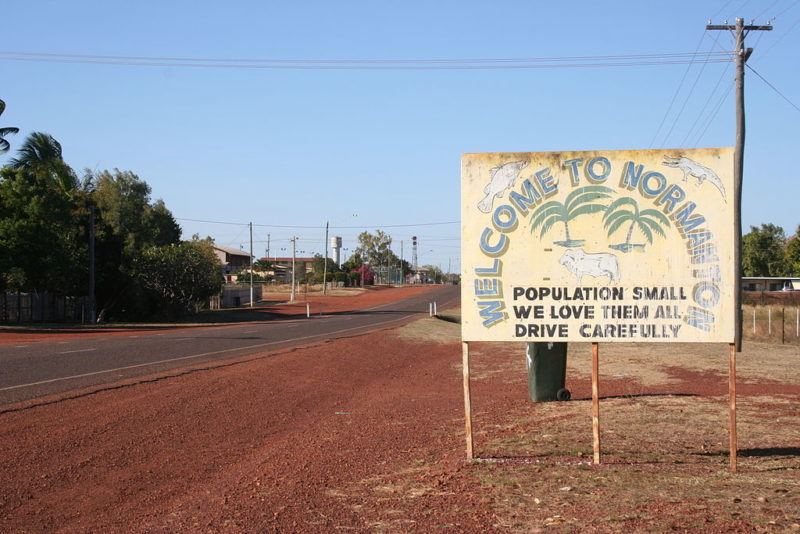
column 282, row 267
column 420, row 276
column 233, row 260
column 770, row 283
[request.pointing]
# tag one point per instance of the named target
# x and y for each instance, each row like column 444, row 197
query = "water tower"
column 336, row 245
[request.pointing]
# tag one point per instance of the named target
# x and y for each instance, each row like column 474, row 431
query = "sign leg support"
column 732, row 404
column 467, row 400
column 596, row 402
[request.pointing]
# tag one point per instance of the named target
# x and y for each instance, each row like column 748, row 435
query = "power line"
column 720, row 10
column 714, row 114
column 308, row 227
column 787, row 32
column 624, row 60
column 400, row 225
column 705, row 105
column 772, row 87
column 787, row 9
column 686, row 100
column 677, row 91
column 768, row 8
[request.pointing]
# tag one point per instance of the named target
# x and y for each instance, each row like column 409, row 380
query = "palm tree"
column 4, row 145
column 624, row 210
column 41, row 152
column 578, row 202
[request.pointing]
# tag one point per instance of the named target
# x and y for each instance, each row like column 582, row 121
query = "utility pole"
column 251, row 265
column 325, row 268
column 294, row 246
column 267, row 246
column 402, row 274
column 92, row 308
column 741, row 54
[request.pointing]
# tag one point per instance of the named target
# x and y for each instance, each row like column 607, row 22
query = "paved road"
column 43, row 368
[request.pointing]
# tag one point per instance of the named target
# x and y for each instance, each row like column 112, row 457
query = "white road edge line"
column 72, row 351
column 259, row 345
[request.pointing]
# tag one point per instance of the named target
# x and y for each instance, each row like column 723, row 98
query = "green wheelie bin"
column 547, row 371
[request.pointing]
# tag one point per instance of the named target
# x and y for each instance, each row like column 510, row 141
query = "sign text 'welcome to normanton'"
column 598, row 246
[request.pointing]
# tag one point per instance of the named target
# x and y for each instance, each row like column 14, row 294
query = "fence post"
column 769, row 320
column 783, row 326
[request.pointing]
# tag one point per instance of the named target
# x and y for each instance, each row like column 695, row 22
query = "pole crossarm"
column 732, row 27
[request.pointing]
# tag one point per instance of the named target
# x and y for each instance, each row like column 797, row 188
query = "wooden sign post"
column 467, row 400
column 732, row 405
column 596, row 402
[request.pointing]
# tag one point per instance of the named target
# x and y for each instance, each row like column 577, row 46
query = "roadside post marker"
column 769, row 320
column 430, row 309
column 308, row 310
column 435, row 313
column 754, row 319
column 797, row 323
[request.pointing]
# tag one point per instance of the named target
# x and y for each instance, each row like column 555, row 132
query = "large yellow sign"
column 598, row 246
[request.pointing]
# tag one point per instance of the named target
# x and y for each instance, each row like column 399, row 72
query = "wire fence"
column 772, row 324
column 42, row 308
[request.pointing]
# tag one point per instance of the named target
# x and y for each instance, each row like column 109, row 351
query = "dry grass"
column 430, row 330
column 665, row 467
column 664, row 432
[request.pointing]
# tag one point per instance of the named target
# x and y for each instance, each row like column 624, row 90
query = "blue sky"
column 382, row 147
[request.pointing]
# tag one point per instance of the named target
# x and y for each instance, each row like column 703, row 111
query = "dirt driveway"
column 366, row 434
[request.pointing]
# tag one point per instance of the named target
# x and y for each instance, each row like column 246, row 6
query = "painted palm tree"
column 626, row 210
column 4, row 145
column 582, row 201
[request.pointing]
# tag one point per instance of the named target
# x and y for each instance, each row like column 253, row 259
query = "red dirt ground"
column 372, row 296
column 363, row 433
column 297, row 441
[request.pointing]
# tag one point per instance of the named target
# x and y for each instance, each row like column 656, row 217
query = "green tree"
column 579, row 202
column 626, row 210
column 4, row 144
column 763, row 251
column 793, row 254
column 41, row 245
column 180, row 278
column 318, row 267
column 41, row 153
column 128, row 223
column 41, row 228
column 375, row 249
